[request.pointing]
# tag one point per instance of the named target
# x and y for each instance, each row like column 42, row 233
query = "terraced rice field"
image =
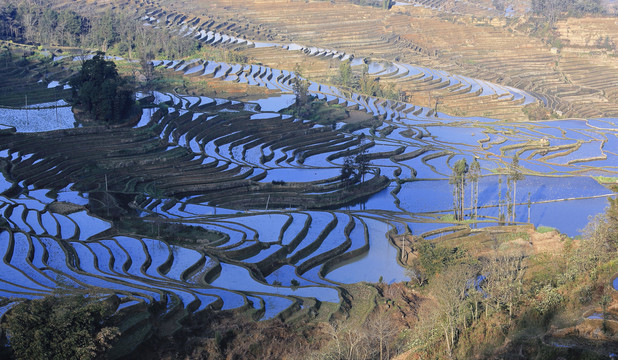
column 278, row 229
column 478, row 52
column 215, row 165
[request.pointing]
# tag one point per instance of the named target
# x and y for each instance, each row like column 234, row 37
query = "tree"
column 100, row 91
column 553, row 9
column 382, row 329
column 458, row 180
column 514, row 175
column 500, row 198
column 474, row 175
column 300, row 86
column 432, row 259
column 345, row 73
column 145, row 62
column 61, row 327
column 368, row 84
column 347, row 170
column 450, row 292
column 355, row 167
column 503, row 279
column 361, row 162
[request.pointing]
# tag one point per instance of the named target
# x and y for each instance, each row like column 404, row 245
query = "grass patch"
column 606, row 179
column 514, row 236
column 545, row 229
column 451, row 219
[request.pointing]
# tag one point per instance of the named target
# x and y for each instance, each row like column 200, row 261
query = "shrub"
column 585, row 294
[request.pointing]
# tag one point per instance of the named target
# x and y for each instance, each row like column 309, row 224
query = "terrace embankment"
column 458, row 44
column 25, row 81
column 126, row 162
column 480, row 242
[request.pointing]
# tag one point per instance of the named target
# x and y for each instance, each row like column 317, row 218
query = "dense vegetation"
column 364, row 83
column 61, row 327
column 515, row 294
column 553, row 9
column 385, row 4
column 37, row 23
column 101, row 91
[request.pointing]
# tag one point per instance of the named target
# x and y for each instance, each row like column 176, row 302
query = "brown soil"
column 356, row 116
column 549, row 242
column 64, row 208
column 402, row 303
column 216, row 88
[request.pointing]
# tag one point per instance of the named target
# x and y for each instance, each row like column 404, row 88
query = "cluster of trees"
column 461, row 176
column 38, row 23
column 61, row 327
column 364, row 83
column 34, row 22
column 464, row 174
column 377, row 338
column 500, row 5
column 101, row 91
column 355, row 167
column 465, row 289
column 495, row 291
column 554, row 9
column 601, row 243
column 384, row 4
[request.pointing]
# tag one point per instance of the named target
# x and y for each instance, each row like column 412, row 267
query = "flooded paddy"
column 278, row 247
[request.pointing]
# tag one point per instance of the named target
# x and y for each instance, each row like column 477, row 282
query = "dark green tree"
column 355, row 167
column 300, row 86
column 345, row 73
column 347, row 170
column 100, row 91
column 61, row 327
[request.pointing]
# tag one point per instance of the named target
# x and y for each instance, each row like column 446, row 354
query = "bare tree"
column 503, row 279
column 449, row 289
column 382, row 329
column 347, row 343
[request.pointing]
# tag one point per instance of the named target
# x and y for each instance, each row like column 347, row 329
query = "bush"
column 585, row 294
